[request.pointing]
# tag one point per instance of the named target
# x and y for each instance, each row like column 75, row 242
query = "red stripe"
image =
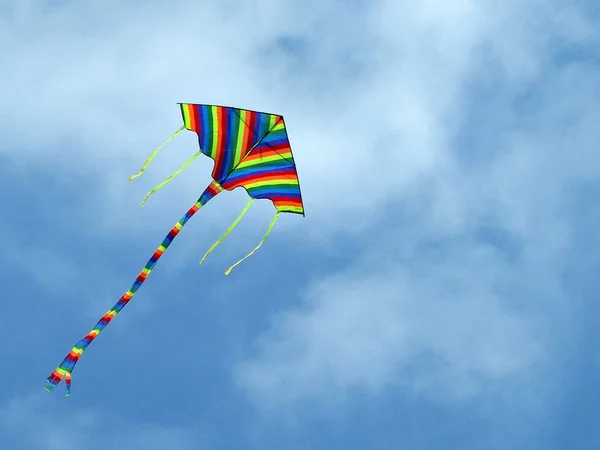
column 247, row 142
column 214, row 189
column 271, row 150
column 286, row 201
column 222, row 124
column 285, row 174
column 195, row 118
column 56, row 376
column 104, row 318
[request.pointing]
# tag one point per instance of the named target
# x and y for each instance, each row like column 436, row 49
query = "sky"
column 440, row 293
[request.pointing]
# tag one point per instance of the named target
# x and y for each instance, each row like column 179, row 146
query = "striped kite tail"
column 66, row 367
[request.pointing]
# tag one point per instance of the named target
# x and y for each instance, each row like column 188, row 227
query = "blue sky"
column 441, row 291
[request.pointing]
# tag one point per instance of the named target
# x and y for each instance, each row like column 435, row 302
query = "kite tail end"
column 55, row 379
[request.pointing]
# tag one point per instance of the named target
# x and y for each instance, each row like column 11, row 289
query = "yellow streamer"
column 229, row 230
column 155, row 152
column 161, row 185
column 259, row 245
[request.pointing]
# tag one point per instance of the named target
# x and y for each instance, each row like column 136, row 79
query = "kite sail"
column 250, row 149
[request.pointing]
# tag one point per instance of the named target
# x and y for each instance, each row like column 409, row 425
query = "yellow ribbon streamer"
column 259, row 245
column 229, row 230
column 155, row 152
column 161, row 185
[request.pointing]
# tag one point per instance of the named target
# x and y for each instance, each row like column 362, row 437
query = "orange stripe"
column 190, row 112
column 271, row 178
column 289, row 202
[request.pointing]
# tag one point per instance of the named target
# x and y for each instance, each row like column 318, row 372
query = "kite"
column 250, row 149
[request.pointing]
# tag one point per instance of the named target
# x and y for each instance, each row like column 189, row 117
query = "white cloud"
column 475, row 319
column 445, row 327
column 359, row 134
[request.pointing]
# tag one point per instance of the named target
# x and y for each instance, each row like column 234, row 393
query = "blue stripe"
column 275, row 138
column 225, row 154
column 259, row 128
column 204, row 135
column 291, row 192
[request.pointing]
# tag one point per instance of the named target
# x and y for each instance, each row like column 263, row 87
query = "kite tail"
column 259, row 244
column 68, row 364
column 155, row 152
column 228, row 231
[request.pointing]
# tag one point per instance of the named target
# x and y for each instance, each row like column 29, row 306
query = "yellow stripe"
column 256, row 184
column 296, row 209
column 186, row 117
column 238, row 147
column 215, row 131
column 255, row 162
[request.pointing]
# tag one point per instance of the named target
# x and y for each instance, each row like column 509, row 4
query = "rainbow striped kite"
column 250, row 149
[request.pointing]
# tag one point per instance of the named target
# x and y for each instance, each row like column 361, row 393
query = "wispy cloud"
column 32, row 423
column 466, row 295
